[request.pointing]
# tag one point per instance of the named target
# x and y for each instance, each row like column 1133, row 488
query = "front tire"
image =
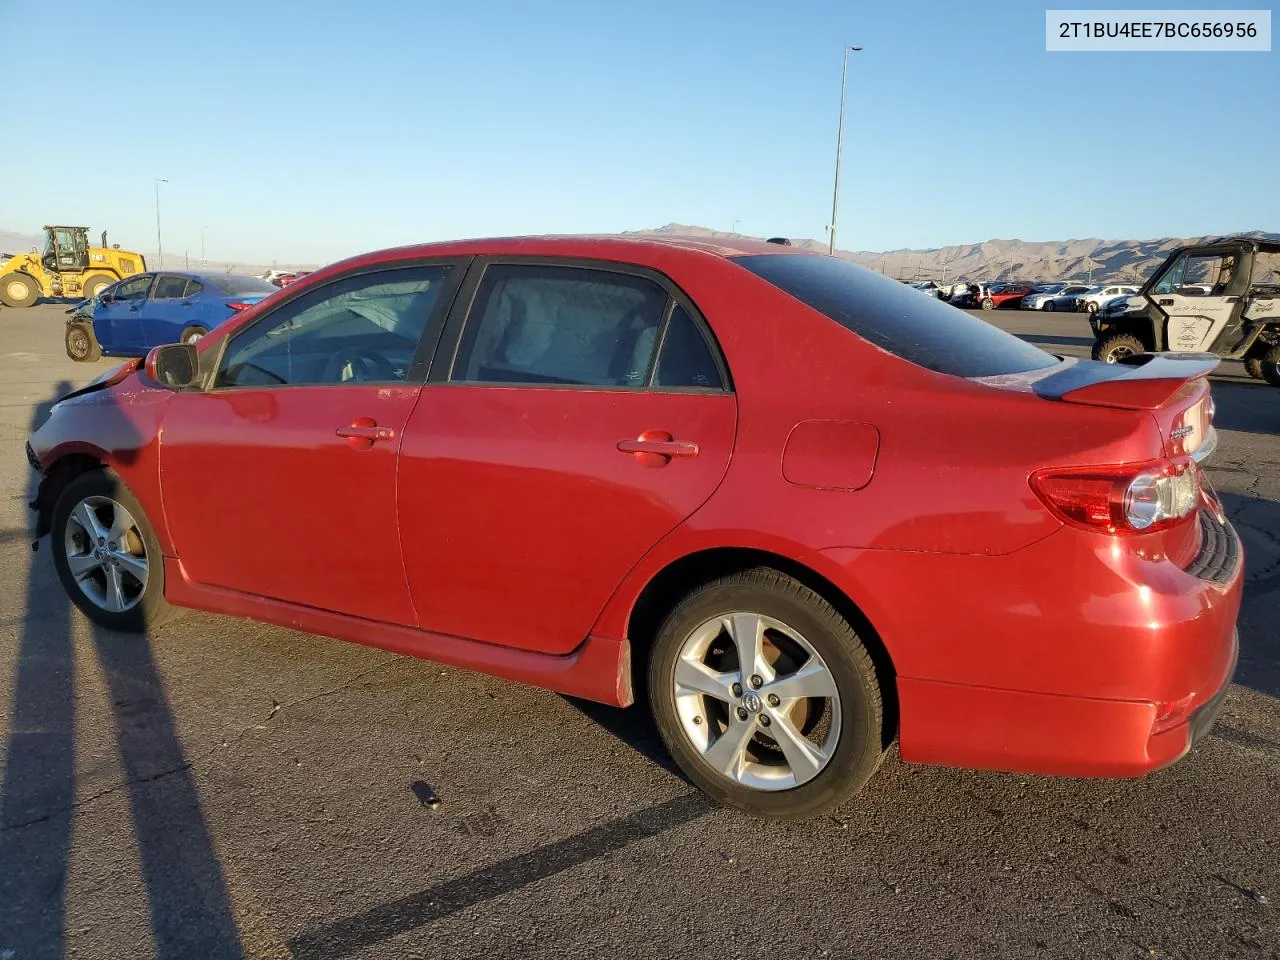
column 18, row 290
column 1116, row 347
column 95, row 283
column 1253, row 367
column 106, row 554
column 1048, row 307
column 988, row 304
column 82, row 345
column 797, row 731
column 1091, row 307
column 1270, row 363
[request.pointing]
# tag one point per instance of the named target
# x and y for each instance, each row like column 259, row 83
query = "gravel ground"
column 225, row 789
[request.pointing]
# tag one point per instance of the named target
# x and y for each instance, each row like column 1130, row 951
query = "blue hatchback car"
column 130, row 317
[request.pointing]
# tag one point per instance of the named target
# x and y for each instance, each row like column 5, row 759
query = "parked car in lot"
column 576, row 462
column 1005, row 295
column 1095, row 298
column 1057, row 296
column 130, row 317
column 928, row 288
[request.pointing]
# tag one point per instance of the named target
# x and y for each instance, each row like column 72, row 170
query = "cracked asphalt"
column 223, row 789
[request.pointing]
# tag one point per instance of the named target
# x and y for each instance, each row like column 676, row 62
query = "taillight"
column 1129, row 498
column 238, row 305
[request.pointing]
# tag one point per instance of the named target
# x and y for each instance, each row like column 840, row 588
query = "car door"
column 117, row 323
column 1199, row 296
column 279, row 475
column 550, row 449
column 167, row 311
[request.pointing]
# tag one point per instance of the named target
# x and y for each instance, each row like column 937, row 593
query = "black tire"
column 860, row 746
column 1091, row 307
column 988, row 304
column 1270, row 362
column 18, row 290
column 1253, row 367
column 82, row 345
column 147, row 607
column 1117, row 346
column 192, row 334
column 1048, row 307
column 95, row 283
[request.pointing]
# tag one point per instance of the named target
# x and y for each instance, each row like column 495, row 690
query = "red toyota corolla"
column 806, row 509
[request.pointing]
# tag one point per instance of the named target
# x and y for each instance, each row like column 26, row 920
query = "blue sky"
column 307, row 130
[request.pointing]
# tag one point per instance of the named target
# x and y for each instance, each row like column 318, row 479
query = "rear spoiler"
column 1146, row 381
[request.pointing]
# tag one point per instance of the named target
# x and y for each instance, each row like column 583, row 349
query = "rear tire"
column 771, row 766
column 95, row 283
column 18, row 290
column 988, row 304
column 1091, row 307
column 192, row 334
column 1270, row 362
column 1253, row 367
column 1116, row 347
column 82, row 345
column 101, row 531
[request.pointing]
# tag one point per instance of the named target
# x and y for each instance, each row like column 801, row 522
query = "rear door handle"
column 656, row 448
column 363, row 432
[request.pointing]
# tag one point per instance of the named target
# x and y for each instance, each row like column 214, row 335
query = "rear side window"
column 686, row 360
column 233, row 284
column 922, row 330
column 193, row 287
column 561, row 325
column 169, row 288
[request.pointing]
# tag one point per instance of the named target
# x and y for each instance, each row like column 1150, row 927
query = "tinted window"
column 193, row 288
column 232, row 284
column 169, row 288
column 561, row 325
column 364, row 328
column 686, row 359
column 135, row 289
column 922, row 330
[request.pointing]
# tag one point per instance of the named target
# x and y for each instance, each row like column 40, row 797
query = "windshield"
column 234, row 284
column 922, row 330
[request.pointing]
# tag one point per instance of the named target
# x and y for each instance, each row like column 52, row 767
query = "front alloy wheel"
column 105, row 554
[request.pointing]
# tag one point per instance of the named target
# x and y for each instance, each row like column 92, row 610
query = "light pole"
column 204, row 262
column 734, row 229
column 159, row 245
column 835, row 191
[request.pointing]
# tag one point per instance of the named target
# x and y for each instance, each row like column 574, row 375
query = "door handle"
column 363, row 432
column 655, row 448
column 1166, row 303
column 133, row 309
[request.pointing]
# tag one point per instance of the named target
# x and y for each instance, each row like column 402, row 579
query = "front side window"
column 364, row 328
column 556, row 325
column 135, row 289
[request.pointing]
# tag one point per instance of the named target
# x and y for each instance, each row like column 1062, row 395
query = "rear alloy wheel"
column 192, row 334
column 988, row 304
column 106, row 554
column 95, row 283
column 766, row 697
column 82, row 345
column 18, row 290
column 1091, row 307
column 1048, row 306
column 1115, row 348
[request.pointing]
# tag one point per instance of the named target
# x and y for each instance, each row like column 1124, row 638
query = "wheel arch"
column 680, row 576
column 71, row 464
column 1138, row 325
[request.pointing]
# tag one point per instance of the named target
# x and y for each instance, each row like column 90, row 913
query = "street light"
column 835, row 192
column 159, row 245
column 734, row 228
column 203, row 260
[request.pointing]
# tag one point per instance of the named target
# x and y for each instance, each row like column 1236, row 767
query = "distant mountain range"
column 1109, row 260
column 1104, row 260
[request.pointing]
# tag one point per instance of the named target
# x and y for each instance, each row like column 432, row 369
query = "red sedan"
column 1005, row 295
column 776, row 491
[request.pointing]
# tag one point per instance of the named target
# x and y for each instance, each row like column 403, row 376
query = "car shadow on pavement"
column 1246, row 408
column 189, row 905
column 1257, row 521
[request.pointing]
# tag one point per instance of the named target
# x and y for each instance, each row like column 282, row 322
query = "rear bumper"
column 1076, row 656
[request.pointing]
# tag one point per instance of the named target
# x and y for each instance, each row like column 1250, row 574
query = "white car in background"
column 1098, row 297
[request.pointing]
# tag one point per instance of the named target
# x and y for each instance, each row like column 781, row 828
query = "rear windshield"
column 234, row 284
column 922, row 330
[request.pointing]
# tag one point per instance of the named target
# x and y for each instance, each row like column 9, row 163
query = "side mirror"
column 105, row 298
column 173, row 365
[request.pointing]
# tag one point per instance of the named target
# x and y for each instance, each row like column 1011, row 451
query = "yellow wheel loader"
column 68, row 267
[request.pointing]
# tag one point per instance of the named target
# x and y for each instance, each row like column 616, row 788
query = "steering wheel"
column 357, row 364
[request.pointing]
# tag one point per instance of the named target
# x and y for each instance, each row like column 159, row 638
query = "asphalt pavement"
column 224, row 789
